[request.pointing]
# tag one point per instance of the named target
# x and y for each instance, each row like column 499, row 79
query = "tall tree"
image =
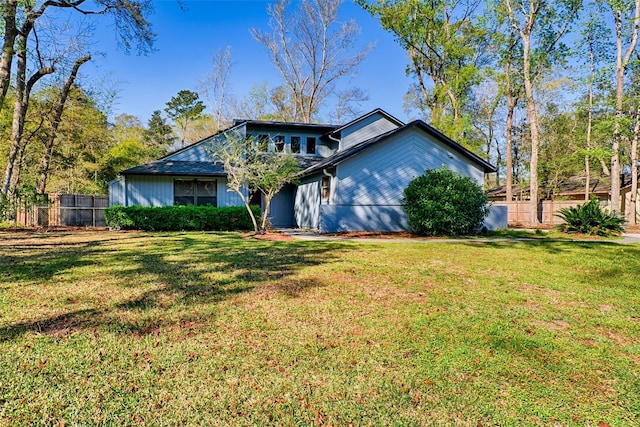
column 312, row 50
column 540, row 26
column 55, row 123
column 626, row 17
column 446, row 49
column 215, row 87
column 20, row 20
column 184, row 109
column 159, row 134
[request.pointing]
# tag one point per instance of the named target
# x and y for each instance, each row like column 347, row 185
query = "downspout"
column 331, row 186
column 339, row 141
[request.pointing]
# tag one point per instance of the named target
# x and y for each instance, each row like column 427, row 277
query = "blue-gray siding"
column 155, row 190
column 307, row 204
column 369, row 187
column 365, row 129
column 379, row 175
column 116, row 192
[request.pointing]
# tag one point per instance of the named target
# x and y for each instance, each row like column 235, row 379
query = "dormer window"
column 311, row 145
column 295, row 144
column 278, row 141
column 263, row 142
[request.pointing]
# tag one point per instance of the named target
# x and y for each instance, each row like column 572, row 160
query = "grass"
column 216, row 329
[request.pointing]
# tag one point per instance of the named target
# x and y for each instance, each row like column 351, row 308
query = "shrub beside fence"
column 180, row 218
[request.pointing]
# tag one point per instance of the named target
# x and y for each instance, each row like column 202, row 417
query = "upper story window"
column 311, row 145
column 295, row 144
column 195, row 192
column 263, row 142
column 278, row 141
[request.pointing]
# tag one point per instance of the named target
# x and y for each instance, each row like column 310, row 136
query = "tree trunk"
column 21, row 102
column 532, row 115
column 587, row 162
column 10, row 34
column 57, row 117
column 633, row 217
column 622, row 61
column 509, row 140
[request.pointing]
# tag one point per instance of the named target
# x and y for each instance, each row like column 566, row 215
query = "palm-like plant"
column 591, row 219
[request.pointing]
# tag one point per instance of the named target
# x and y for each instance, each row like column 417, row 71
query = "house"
column 353, row 175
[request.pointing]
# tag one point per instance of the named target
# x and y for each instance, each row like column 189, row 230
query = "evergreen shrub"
column 180, row 218
column 442, row 202
column 591, row 219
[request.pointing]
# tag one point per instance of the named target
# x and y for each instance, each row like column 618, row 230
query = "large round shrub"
column 442, row 202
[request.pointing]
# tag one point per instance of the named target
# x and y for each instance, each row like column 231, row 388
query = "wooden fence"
column 518, row 211
column 65, row 210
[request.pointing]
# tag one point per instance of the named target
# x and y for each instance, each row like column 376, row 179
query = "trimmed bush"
column 442, row 202
column 180, row 218
column 591, row 219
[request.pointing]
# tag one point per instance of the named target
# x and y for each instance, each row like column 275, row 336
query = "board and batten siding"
column 365, row 129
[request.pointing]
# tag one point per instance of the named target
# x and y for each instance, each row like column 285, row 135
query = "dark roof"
column 170, row 167
column 345, row 154
column 315, row 127
column 376, row 111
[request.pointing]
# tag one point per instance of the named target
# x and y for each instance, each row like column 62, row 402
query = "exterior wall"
column 369, row 187
column 149, row 190
column 334, row 218
column 116, row 192
column 281, row 213
column 153, row 190
column 307, row 204
column 226, row 197
column 323, row 148
column 379, row 175
column 366, row 129
column 497, row 218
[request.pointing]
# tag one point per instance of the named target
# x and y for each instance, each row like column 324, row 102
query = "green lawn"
column 215, row 329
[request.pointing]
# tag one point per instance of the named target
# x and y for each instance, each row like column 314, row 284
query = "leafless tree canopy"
column 312, row 50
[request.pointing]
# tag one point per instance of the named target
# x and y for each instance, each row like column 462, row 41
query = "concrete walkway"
column 301, row 234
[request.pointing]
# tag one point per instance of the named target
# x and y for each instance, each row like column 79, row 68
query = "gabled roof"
column 419, row 124
column 366, row 116
column 169, row 167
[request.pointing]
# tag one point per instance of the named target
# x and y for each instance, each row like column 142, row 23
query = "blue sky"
column 187, row 39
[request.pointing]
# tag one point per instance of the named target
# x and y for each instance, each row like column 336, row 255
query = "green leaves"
column 590, row 219
column 442, row 202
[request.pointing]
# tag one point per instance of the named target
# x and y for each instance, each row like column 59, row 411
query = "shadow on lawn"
column 178, row 270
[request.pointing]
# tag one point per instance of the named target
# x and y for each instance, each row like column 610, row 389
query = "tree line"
column 545, row 90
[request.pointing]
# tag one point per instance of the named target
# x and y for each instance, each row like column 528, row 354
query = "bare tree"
column 312, row 50
column 215, row 87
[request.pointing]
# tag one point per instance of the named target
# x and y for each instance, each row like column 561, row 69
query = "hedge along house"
column 353, row 176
